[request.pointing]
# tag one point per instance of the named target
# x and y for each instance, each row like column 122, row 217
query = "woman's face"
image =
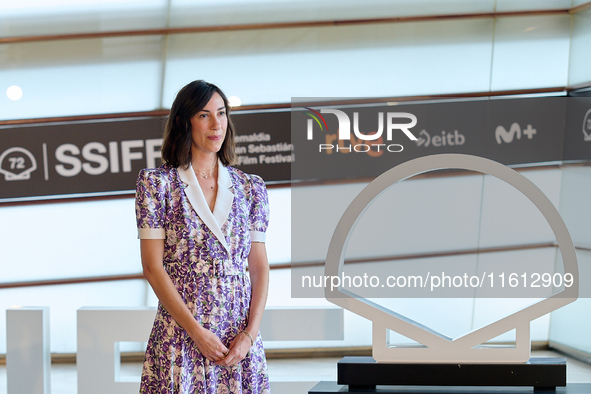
column 208, row 126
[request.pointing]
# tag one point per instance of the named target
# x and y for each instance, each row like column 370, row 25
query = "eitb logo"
column 372, row 142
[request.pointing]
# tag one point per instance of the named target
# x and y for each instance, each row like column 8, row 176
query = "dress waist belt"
column 212, row 268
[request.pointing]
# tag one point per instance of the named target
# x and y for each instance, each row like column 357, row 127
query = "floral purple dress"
column 205, row 255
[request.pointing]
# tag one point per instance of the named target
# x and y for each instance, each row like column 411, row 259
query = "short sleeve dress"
column 205, row 255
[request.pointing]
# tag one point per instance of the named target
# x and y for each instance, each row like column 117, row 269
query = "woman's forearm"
column 258, row 267
column 152, row 251
column 152, row 257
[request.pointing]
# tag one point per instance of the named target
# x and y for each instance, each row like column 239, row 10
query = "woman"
column 200, row 222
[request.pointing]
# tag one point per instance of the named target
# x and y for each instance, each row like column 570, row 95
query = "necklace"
column 204, row 175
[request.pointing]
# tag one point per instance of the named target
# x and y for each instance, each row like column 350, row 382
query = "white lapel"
column 225, row 196
column 223, row 202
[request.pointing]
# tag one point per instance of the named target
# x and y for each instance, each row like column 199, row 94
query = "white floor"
column 288, row 376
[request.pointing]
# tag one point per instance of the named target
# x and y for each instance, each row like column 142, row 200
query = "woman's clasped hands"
column 214, row 350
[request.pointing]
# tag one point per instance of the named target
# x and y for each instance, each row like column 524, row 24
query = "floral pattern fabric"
column 211, row 278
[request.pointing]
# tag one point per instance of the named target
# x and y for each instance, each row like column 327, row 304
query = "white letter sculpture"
column 437, row 347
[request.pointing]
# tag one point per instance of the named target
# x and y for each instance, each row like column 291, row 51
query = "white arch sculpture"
column 437, row 347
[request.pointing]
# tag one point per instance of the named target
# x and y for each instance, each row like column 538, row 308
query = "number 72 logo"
column 17, row 164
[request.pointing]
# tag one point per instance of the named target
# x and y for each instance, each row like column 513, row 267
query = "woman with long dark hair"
column 201, row 223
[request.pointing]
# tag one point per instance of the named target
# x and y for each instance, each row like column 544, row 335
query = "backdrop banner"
column 364, row 141
column 103, row 157
column 93, row 158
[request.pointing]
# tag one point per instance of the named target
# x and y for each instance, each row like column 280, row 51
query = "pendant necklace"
column 204, row 175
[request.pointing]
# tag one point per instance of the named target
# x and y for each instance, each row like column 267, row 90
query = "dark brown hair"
column 176, row 144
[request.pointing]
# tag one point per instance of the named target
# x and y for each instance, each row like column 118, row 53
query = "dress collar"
column 223, row 202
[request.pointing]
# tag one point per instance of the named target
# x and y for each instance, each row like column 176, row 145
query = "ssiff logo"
column 587, row 126
column 17, row 164
column 371, row 143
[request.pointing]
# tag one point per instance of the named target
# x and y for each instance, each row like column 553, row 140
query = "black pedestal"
column 333, row 387
column 365, row 373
